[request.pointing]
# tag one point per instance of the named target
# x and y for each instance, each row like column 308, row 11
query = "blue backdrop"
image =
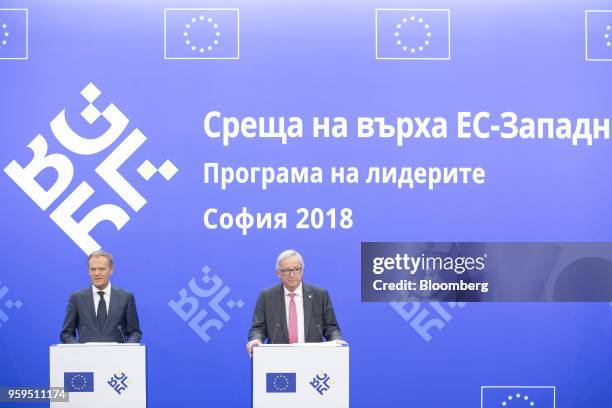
column 311, row 59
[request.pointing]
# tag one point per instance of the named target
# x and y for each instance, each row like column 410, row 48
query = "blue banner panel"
column 196, row 141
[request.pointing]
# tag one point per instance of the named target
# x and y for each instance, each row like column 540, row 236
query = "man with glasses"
column 293, row 312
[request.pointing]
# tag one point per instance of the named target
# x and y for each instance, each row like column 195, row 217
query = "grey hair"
column 105, row 254
column 289, row 253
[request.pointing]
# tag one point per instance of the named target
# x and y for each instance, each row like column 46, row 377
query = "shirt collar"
column 106, row 290
column 297, row 291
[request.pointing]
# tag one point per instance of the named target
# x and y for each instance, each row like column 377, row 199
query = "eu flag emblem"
column 413, row 34
column 13, row 34
column 598, row 33
column 280, row 382
column 201, row 34
column 78, row 382
column 518, row 397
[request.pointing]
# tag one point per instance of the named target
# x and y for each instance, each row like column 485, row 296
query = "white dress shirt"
column 299, row 307
column 96, row 297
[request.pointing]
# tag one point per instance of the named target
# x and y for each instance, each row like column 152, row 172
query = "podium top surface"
column 96, row 344
column 329, row 344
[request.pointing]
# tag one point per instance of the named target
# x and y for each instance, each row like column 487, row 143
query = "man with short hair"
column 293, row 312
column 101, row 312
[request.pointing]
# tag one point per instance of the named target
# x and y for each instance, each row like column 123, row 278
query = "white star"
column 3, row 25
column 216, row 42
column 526, row 397
column 606, row 35
column 193, row 47
column 532, row 403
column 201, row 49
column 3, row 42
column 426, row 42
column 209, row 48
column 209, row 20
column 429, row 34
column 399, row 42
column 187, row 25
column 398, row 26
column 396, row 34
column 420, row 20
column 609, row 44
column 412, row 18
column 193, row 20
column 215, row 25
column 6, row 34
column 404, row 20
column 510, row 397
column 504, row 403
column 609, row 28
column 185, row 34
column 412, row 50
column 201, row 18
column 187, row 42
column 218, row 34
column 518, row 395
column 421, row 48
column 426, row 26
column 404, row 48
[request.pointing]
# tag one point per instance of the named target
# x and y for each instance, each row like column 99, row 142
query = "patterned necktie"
column 293, row 326
column 102, row 312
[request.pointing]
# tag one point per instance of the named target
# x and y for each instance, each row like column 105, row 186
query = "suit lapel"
column 307, row 309
column 91, row 308
column 114, row 303
column 283, row 311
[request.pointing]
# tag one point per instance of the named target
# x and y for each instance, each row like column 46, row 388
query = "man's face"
column 290, row 272
column 99, row 271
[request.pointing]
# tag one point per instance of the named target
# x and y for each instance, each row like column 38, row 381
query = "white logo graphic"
column 108, row 170
column 9, row 304
column 188, row 307
column 419, row 315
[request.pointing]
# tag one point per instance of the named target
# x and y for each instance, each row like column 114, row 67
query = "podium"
column 302, row 375
column 99, row 375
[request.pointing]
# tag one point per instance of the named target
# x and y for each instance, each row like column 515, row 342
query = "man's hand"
column 341, row 343
column 250, row 345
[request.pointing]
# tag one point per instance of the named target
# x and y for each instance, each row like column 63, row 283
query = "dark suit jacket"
column 270, row 316
column 81, row 315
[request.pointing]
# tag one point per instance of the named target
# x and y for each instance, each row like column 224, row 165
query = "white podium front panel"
column 300, row 376
column 100, row 375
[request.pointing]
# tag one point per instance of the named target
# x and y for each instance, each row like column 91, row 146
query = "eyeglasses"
column 288, row 271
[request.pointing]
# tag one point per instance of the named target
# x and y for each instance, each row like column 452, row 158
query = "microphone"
column 275, row 330
column 320, row 331
column 122, row 335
